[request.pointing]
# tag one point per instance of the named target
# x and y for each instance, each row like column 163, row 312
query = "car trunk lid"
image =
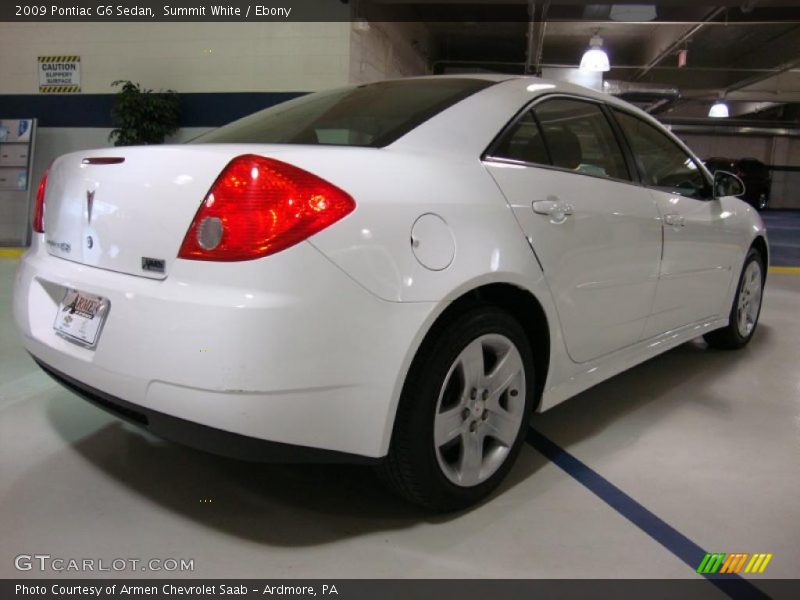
column 127, row 209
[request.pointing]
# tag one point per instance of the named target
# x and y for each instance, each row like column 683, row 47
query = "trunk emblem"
column 63, row 246
column 89, row 205
column 156, row 265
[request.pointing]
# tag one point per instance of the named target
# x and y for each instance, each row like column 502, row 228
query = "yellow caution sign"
column 59, row 74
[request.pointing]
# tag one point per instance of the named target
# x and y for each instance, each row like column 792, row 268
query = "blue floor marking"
column 666, row 535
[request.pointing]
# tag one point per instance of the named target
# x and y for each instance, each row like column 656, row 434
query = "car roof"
column 544, row 85
column 521, row 81
column 489, row 110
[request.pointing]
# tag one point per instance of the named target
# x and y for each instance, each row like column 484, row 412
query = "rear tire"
column 746, row 308
column 463, row 412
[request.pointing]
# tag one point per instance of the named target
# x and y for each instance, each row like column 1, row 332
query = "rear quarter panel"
column 392, row 190
column 373, row 245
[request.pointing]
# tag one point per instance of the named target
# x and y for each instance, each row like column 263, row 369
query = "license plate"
column 80, row 317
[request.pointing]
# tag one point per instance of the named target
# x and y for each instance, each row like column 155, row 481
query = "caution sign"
column 59, row 74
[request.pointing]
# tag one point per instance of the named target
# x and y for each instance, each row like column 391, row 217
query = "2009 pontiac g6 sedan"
column 396, row 273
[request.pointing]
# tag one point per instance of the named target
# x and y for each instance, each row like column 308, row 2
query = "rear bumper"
column 286, row 349
column 216, row 441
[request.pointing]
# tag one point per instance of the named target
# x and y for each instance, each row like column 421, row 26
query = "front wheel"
column 463, row 412
column 746, row 308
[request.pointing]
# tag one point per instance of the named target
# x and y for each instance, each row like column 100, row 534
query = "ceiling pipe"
column 715, row 127
column 758, row 96
column 531, row 42
column 535, row 36
column 782, row 68
column 651, row 97
column 674, row 46
column 752, row 108
column 537, row 63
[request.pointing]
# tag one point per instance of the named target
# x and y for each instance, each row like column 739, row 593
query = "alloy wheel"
column 480, row 409
column 749, row 299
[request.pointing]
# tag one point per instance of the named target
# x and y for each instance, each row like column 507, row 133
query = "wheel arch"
column 760, row 244
column 530, row 314
column 520, row 303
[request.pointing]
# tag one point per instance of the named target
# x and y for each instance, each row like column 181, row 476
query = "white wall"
column 203, row 57
column 215, row 57
column 389, row 50
column 186, row 57
column 786, row 185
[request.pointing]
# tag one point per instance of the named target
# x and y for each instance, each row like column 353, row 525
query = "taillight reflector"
column 38, row 213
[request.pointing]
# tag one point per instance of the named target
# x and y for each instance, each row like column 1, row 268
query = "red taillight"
column 38, row 213
column 259, row 206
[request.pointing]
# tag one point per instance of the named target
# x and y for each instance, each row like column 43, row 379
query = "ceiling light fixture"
column 595, row 58
column 632, row 12
column 719, row 110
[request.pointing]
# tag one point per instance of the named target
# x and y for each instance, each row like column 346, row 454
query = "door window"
column 579, row 138
column 663, row 164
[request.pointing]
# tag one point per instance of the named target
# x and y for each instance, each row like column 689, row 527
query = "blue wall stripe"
column 673, row 540
column 94, row 110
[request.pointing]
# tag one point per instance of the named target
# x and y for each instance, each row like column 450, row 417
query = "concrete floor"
column 708, row 441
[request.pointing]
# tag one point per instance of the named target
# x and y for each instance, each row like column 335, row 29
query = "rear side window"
column 374, row 115
column 663, row 164
column 579, row 137
column 522, row 142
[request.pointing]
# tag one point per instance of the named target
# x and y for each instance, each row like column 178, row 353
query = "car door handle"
column 553, row 207
column 675, row 220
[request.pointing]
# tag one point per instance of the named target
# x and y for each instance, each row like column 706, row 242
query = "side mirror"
column 727, row 184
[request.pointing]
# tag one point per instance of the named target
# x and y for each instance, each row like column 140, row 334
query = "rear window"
column 373, row 115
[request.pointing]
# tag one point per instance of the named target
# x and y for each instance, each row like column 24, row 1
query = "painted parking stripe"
column 673, row 540
column 12, row 253
column 785, row 270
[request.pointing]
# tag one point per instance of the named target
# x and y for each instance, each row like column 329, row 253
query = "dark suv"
column 752, row 172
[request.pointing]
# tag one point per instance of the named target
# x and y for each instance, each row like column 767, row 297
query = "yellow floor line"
column 12, row 253
column 785, row 270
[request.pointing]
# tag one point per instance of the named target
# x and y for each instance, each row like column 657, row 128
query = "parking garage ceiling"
column 747, row 52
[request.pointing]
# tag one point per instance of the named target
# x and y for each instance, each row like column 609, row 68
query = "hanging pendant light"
column 595, row 58
column 719, row 110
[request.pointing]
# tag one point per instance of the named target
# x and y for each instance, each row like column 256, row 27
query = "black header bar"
column 465, row 11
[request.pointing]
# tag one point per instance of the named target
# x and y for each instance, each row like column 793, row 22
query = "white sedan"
column 395, row 273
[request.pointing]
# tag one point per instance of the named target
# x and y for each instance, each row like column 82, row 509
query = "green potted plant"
column 142, row 116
